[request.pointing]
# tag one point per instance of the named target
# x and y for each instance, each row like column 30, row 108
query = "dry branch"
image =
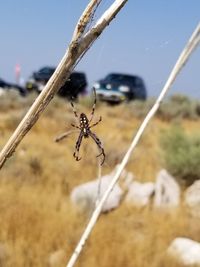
column 77, row 48
column 85, row 19
column 192, row 44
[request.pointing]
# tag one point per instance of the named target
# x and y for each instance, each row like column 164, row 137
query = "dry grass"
column 36, row 216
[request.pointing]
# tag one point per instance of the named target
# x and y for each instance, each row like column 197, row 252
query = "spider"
column 84, row 127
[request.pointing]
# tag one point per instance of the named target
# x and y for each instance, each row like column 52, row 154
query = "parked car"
column 4, row 86
column 39, row 78
column 117, row 87
column 76, row 83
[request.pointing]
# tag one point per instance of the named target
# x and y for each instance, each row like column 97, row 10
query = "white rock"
column 167, row 190
column 185, row 251
column 127, row 179
column 192, row 198
column 2, row 91
column 86, row 195
column 5, row 253
column 139, row 194
column 56, row 258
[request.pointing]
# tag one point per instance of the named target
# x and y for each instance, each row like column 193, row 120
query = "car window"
column 138, row 82
column 122, row 78
column 77, row 75
column 46, row 70
column 114, row 77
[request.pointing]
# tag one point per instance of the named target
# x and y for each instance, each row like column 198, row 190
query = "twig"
column 192, row 44
column 85, row 19
column 99, row 182
column 73, row 54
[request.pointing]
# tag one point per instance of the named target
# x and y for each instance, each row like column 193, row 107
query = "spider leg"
column 77, row 147
column 98, row 142
column 94, row 105
column 73, row 107
column 64, row 135
column 75, row 126
column 100, row 119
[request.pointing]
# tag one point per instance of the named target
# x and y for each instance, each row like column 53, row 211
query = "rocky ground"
column 40, row 225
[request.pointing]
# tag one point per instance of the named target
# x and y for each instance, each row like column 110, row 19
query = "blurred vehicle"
column 38, row 79
column 4, row 86
column 117, row 87
column 76, row 83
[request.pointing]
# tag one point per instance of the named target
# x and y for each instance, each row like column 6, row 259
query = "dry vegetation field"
column 36, row 216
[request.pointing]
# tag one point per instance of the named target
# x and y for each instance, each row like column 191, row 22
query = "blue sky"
column 145, row 39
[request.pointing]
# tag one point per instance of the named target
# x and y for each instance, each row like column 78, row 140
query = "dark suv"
column 76, row 83
column 117, row 87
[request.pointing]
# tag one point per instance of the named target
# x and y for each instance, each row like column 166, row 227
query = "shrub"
column 12, row 121
column 11, row 100
column 35, row 166
column 178, row 107
column 175, row 107
column 182, row 154
column 139, row 109
column 86, row 101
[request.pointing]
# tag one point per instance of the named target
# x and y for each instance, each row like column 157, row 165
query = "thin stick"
column 73, row 54
column 192, row 44
column 99, row 182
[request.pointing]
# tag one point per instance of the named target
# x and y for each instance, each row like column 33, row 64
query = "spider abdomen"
column 84, row 123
